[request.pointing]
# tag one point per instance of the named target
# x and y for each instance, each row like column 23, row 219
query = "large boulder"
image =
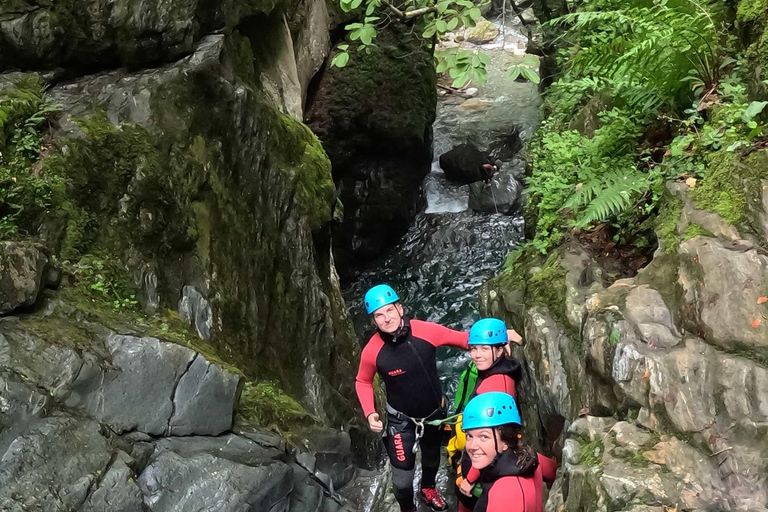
column 204, row 482
column 502, row 194
column 374, row 117
column 211, row 195
column 148, row 385
column 650, row 347
column 102, row 33
column 464, row 164
column 22, row 271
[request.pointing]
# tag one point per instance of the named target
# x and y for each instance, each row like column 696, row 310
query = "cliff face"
column 167, row 263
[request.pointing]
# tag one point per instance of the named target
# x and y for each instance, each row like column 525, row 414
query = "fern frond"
column 607, row 196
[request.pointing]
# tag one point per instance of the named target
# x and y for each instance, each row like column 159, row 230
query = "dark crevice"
column 173, row 392
column 314, row 86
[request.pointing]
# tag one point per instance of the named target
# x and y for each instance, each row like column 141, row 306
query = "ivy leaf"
column 453, row 23
column 531, row 75
column 369, row 10
column 429, row 31
column 484, row 58
column 475, row 13
column 340, row 60
column 441, row 67
column 442, row 6
column 441, row 25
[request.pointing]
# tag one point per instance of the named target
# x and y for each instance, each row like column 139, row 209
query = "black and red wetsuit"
column 508, row 487
column 406, row 364
column 503, row 376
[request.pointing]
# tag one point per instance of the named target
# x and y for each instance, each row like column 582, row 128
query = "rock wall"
column 375, row 118
column 198, row 174
column 677, row 353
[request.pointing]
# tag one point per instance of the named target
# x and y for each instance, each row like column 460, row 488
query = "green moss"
column 694, row 230
column 264, row 404
column 731, row 188
column 592, row 452
column 303, row 158
column 751, row 10
column 547, row 288
column 666, row 221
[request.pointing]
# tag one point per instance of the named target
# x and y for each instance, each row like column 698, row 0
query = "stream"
column 449, row 251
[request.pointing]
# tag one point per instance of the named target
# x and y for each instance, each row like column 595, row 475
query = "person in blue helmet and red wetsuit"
column 495, row 372
column 402, row 352
column 512, row 474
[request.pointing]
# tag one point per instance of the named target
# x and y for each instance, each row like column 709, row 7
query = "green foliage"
column 26, row 191
column 578, row 181
column 427, row 19
column 649, row 56
column 526, row 69
column 264, row 404
column 104, row 279
column 463, row 66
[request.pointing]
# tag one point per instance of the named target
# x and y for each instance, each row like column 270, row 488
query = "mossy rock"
column 732, row 188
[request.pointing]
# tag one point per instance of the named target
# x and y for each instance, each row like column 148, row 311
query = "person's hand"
column 513, row 336
column 375, row 423
column 466, row 487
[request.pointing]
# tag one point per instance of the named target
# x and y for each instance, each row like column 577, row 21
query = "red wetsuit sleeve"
column 439, row 336
column 548, row 468
column 365, row 374
column 507, row 495
column 499, row 382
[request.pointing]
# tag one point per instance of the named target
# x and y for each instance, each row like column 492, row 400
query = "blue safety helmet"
column 488, row 331
column 378, row 296
column 490, row 410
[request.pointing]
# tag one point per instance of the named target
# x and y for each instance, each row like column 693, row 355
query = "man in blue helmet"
column 402, row 352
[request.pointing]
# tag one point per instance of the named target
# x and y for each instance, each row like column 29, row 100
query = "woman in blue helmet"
column 512, row 474
column 402, row 352
column 495, row 372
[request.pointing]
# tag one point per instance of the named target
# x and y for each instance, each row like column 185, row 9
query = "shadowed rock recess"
column 173, row 275
column 654, row 387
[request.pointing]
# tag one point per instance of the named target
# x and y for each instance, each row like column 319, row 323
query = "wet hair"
column 513, row 436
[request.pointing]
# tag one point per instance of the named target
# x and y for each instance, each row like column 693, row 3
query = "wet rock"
column 723, row 287
column 501, row 195
column 141, row 390
column 653, row 320
column 378, row 134
column 280, row 78
column 204, row 482
column 101, row 33
column 22, row 267
column 464, row 164
column 484, row 31
column 204, row 400
column 116, row 490
column 332, row 455
column 52, row 464
column 764, row 215
column 195, row 309
column 312, row 42
column 229, row 446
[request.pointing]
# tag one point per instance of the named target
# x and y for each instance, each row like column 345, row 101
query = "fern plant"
column 606, row 196
column 648, row 55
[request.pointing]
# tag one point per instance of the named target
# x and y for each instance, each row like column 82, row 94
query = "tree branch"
column 408, row 15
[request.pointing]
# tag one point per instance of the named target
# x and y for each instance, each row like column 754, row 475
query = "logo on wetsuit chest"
column 395, row 373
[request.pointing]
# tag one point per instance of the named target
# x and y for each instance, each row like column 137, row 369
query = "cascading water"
column 450, row 250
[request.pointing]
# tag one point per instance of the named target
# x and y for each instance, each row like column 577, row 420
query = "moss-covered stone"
column 264, row 404
column 665, row 223
column 731, row 188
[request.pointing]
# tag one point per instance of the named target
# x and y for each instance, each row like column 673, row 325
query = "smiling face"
column 484, row 355
column 388, row 318
column 481, row 446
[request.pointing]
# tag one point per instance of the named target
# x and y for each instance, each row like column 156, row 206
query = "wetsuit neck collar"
column 399, row 335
